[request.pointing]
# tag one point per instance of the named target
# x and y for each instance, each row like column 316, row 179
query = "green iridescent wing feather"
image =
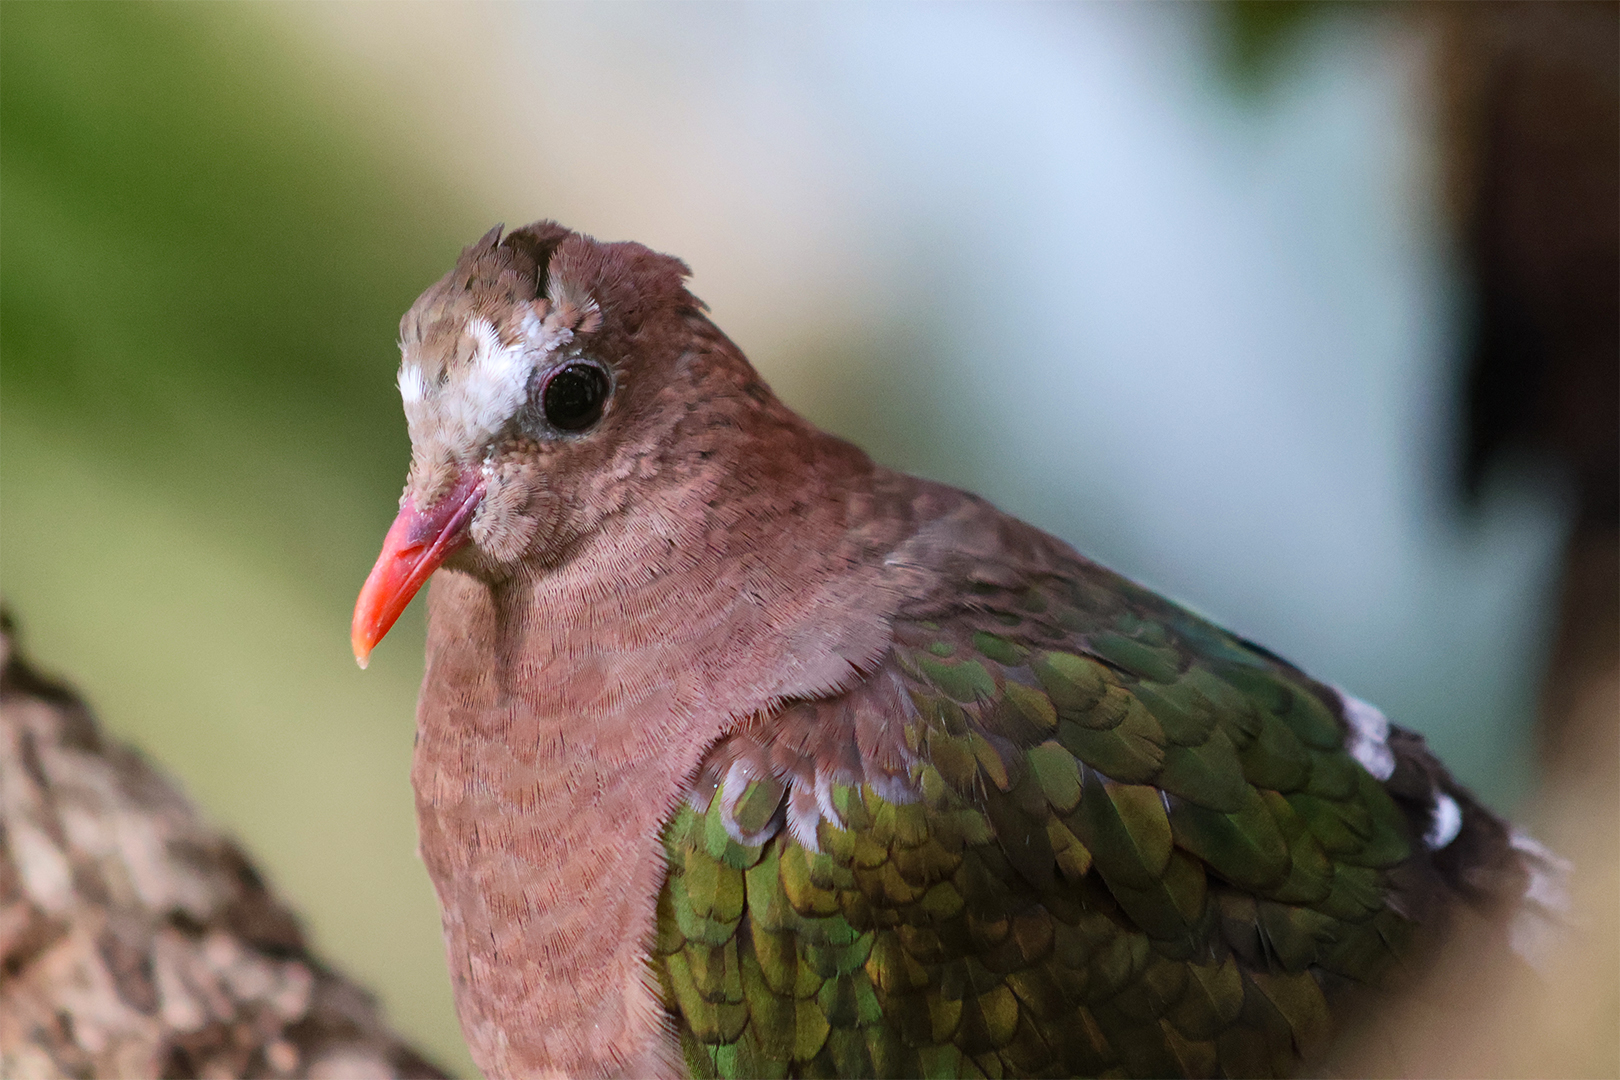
column 1138, row 848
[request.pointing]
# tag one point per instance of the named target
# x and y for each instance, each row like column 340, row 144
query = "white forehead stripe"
column 491, row 389
column 1369, row 736
column 472, row 401
column 493, row 386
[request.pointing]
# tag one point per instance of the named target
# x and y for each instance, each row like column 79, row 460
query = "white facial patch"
column 1369, row 736
column 489, row 390
column 475, row 399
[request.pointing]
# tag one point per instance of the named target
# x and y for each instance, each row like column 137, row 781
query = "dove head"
column 535, row 376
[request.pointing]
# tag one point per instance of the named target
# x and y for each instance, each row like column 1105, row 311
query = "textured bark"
column 135, row 939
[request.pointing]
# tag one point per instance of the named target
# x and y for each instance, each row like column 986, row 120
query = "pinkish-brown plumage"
column 704, row 556
column 663, row 581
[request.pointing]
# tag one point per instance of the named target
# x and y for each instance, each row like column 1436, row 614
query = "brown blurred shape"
column 1531, row 129
column 136, row 940
column 1531, row 96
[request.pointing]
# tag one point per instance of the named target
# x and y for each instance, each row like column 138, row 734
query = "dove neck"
column 563, row 716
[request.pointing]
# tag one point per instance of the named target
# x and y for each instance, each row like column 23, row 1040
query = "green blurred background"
column 204, row 265
column 213, row 216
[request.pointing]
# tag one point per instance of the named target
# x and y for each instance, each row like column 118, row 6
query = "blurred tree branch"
column 137, row 940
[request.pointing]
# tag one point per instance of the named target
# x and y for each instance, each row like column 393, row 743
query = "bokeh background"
column 1222, row 294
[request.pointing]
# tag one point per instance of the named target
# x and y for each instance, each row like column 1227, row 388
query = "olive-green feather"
column 1136, row 846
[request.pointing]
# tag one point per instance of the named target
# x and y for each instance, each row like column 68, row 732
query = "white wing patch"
column 759, row 785
column 1447, row 822
column 1369, row 736
column 1542, row 920
column 804, row 816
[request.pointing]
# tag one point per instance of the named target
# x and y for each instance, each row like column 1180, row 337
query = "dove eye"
column 573, row 397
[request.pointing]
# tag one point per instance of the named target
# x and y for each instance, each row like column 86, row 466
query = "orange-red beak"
column 417, row 542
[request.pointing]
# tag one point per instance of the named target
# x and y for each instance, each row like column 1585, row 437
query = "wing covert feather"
column 1066, row 829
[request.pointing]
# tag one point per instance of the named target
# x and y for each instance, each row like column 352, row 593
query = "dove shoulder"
column 1064, row 827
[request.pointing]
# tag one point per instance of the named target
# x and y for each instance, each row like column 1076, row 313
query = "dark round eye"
column 573, row 397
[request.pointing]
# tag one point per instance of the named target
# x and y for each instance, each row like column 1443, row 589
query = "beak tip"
column 358, row 641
